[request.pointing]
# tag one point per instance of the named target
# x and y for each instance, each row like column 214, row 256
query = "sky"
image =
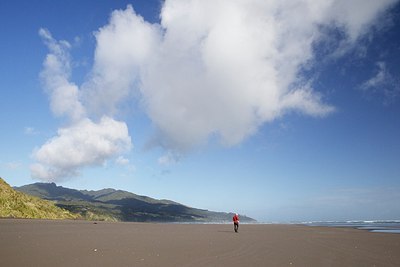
column 280, row 110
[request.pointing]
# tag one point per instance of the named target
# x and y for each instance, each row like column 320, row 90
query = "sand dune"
column 82, row 243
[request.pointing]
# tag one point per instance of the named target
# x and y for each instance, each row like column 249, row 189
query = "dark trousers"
column 236, row 226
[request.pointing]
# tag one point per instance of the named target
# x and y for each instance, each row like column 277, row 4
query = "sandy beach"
column 83, row 243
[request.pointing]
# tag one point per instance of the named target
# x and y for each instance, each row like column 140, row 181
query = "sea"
column 378, row 226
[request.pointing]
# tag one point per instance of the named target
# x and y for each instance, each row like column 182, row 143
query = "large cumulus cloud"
column 218, row 68
column 223, row 68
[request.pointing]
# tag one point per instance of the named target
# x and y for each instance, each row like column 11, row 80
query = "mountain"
column 117, row 205
column 19, row 205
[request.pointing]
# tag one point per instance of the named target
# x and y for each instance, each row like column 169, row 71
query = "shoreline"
column 379, row 226
column 86, row 243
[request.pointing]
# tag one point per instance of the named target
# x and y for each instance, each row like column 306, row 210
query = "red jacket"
column 235, row 218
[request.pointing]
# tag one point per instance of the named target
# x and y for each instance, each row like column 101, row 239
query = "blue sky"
column 280, row 110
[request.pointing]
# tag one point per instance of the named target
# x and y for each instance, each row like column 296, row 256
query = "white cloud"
column 223, row 68
column 168, row 159
column 83, row 144
column 382, row 83
column 122, row 46
column 211, row 68
column 122, row 161
column 340, row 14
column 378, row 79
column 64, row 95
column 30, row 131
column 357, row 23
column 226, row 67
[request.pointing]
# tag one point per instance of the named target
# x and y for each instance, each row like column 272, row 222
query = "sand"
column 82, row 243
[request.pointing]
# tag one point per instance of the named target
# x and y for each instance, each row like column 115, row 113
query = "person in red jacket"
column 236, row 222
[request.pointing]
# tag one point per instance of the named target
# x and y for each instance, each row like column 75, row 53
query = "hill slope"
column 19, row 205
column 122, row 205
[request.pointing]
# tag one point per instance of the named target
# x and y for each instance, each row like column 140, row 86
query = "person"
column 236, row 222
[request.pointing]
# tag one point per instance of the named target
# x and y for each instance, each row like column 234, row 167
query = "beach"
column 84, row 243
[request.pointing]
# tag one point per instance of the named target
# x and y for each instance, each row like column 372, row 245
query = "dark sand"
column 81, row 243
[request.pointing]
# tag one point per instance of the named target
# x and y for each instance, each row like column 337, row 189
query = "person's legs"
column 235, row 227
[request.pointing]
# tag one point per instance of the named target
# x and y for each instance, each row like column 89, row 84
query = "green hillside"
column 117, row 205
column 15, row 204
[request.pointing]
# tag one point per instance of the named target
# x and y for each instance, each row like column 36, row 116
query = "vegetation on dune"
column 14, row 204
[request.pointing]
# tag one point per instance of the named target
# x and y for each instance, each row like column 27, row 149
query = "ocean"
column 378, row 226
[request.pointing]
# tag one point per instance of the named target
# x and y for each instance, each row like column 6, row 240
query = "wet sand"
column 82, row 243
